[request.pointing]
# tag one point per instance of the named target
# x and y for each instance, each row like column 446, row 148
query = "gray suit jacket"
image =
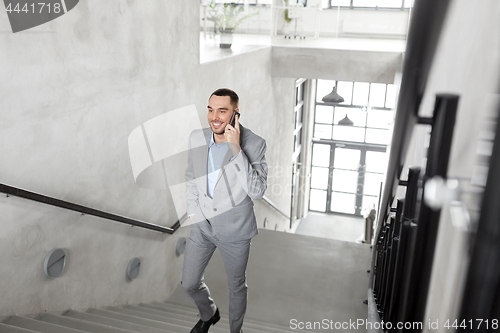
column 229, row 214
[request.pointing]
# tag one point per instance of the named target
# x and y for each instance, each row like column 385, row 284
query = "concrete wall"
column 72, row 91
column 330, row 64
column 467, row 63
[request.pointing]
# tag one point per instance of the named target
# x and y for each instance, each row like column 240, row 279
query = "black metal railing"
column 425, row 28
column 405, row 245
column 400, row 271
column 10, row 190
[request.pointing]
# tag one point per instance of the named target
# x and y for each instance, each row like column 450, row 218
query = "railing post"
column 396, row 228
column 407, row 216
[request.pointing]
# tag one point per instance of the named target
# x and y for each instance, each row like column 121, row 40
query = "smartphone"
column 233, row 120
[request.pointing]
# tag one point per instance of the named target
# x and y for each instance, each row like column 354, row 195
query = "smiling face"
column 220, row 112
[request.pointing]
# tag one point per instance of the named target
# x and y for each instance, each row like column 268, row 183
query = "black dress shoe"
column 203, row 326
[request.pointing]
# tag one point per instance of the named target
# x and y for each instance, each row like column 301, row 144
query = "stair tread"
column 192, row 309
column 134, row 319
column 4, row 328
column 178, row 323
column 188, row 315
column 38, row 326
column 175, row 325
column 81, row 324
column 259, row 323
column 113, row 322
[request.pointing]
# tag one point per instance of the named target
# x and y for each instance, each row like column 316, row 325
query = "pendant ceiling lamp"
column 333, row 97
column 346, row 121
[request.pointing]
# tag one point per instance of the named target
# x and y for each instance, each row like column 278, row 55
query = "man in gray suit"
column 226, row 170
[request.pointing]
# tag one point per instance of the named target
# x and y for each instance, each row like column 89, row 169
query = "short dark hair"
column 235, row 100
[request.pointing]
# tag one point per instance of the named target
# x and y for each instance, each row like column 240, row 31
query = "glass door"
column 346, row 178
column 298, row 111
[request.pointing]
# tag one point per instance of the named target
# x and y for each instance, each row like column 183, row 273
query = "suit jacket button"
column 215, row 209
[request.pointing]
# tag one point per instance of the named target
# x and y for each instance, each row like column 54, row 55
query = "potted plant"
column 227, row 17
column 285, row 30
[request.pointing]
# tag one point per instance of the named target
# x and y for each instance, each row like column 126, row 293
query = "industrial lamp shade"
column 333, row 97
column 346, row 121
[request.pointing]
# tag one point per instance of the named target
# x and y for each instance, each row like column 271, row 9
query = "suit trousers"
column 199, row 249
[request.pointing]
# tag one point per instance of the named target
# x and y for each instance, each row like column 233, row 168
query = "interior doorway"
column 345, row 178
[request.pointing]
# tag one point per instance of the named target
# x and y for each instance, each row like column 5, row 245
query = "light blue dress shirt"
column 216, row 154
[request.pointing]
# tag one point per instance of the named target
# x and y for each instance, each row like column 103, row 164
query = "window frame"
column 364, row 147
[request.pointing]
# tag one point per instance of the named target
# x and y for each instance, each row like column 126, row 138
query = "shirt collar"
column 212, row 142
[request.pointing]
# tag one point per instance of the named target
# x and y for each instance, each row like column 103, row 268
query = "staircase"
column 142, row 318
column 289, row 276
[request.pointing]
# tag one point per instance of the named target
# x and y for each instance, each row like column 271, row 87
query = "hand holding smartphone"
column 233, row 120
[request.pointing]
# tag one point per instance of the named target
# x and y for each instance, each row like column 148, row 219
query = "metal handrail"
column 273, row 205
column 18, row 192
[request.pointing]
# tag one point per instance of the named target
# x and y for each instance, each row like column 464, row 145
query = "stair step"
column 152, row 310
column 174, row 325
column 81, row 324
column 113, row 322
column 188, row 321
column 38, row 326
column 4, row 328
column 133, row 319
column 174, row 312
column 189, row 314
column 248, row 321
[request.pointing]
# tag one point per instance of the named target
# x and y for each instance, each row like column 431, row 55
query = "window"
column 349, row 161
column 367, row 105
column 375, row 4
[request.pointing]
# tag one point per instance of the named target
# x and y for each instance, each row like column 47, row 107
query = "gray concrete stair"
column 135, row 320
column 177, row 311
column 142, row 318
column 113, row 322
column 38, row 326
column 339, row 267
column 191, row 320
column 191, row 311
column 81, row 324
column 4, row 328
column 173, row 325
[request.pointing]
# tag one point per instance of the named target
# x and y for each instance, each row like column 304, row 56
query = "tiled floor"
column 339, row 227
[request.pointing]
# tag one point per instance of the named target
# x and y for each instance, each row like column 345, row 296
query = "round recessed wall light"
column 133, row 268
column 54, row 263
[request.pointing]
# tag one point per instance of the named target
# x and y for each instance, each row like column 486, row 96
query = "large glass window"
column 349, row 159
column 367, row 105
column 376, row 4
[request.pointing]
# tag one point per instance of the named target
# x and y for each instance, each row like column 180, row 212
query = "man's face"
column 220, row 111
